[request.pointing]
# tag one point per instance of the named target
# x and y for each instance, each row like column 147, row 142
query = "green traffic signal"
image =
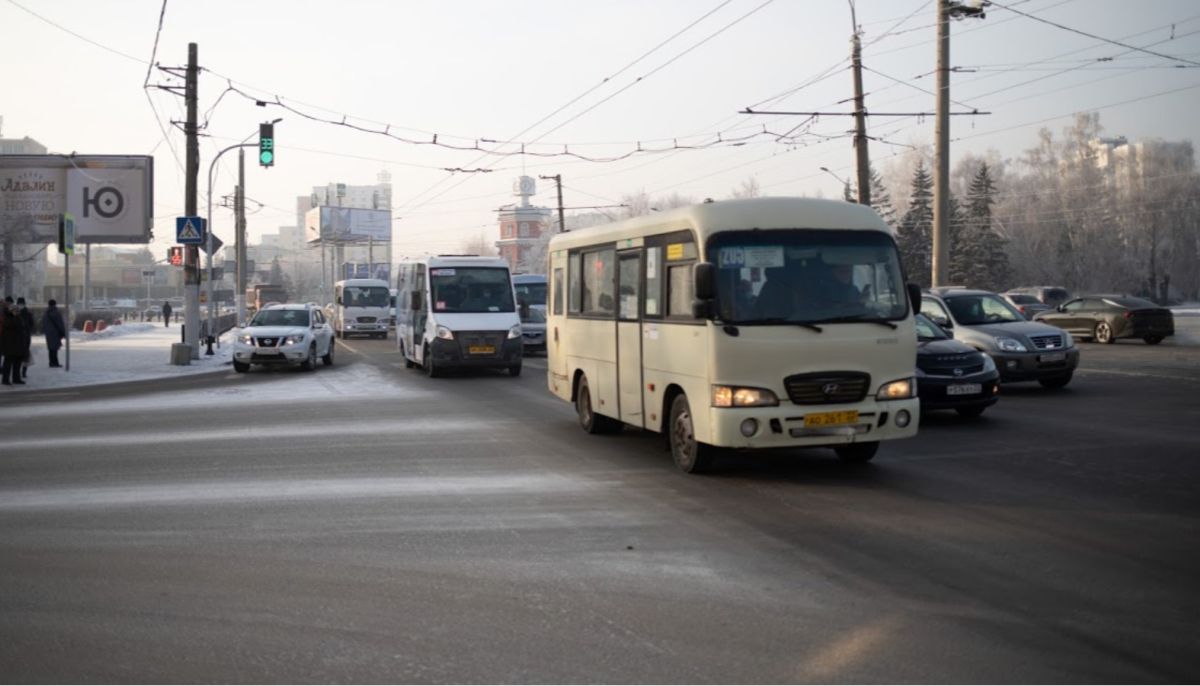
column 266, row 145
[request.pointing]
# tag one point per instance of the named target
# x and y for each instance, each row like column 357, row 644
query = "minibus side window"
column 679, row 291
column 558, row 291
column 575, row 278
column 598, row 273
column 654, row 270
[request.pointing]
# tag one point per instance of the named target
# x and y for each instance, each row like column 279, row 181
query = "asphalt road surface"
column 364, row 523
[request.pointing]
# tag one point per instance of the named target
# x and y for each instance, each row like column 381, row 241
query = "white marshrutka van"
column 758, row 323
column 362, row 307
column 457, row 311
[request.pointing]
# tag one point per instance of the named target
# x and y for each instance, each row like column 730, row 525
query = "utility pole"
column 860, row 116
column 941, row 179
column 191, row 259
column 239, row 293
column 562, row 222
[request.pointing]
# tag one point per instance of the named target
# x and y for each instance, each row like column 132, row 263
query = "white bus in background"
column 457, row 311
column 361, row 307
column 759, row 323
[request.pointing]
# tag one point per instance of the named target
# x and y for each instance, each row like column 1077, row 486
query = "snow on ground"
column 126, row 352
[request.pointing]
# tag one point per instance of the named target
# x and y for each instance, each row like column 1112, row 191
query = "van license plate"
column 831, row 418
column 964, row 389
column 481, row 350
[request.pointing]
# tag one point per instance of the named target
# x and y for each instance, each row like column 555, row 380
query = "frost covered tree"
column 915, row 234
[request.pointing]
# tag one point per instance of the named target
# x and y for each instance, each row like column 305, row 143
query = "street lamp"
column 239, row 292
column 845, row 183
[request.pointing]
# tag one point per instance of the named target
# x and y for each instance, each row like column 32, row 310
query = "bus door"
column 629, row 337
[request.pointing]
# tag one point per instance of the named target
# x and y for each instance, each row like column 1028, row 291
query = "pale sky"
column 469, row 70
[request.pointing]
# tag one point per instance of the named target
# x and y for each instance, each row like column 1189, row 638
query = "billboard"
column 111, row 197
column 362, row 270
column 347, row 224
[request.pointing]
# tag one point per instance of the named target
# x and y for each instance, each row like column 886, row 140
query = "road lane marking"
column 1087, row 370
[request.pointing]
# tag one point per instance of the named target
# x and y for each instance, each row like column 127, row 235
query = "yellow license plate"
column 482, row 349
column 831, row 418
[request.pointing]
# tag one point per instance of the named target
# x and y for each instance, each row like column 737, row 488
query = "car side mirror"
column 704, row 278
column 914, row 296
column 415, row 300
column 1061, row 308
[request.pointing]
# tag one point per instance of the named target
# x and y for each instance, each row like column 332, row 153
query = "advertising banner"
column 347, row 224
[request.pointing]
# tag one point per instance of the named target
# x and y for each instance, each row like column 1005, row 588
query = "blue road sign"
column 190, row 230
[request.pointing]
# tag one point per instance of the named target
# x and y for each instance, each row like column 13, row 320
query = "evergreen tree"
column 849, row 193
column 990, row 267
column 964, row 245
column 915, row 233
column 881, row 200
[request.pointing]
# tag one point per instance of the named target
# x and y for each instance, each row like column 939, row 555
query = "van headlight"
column 739, row 396
column 445, row 334
column 514, row 332
column 1010, row 345
column 897, row 390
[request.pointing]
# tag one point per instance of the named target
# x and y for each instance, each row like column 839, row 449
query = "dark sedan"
column 1105, row 318
column 952, row 375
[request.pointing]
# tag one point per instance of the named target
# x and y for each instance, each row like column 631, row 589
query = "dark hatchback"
column 1105, row 318
column 952, row 375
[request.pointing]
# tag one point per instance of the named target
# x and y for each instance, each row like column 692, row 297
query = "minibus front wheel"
column 588, row 419
column 690, row 455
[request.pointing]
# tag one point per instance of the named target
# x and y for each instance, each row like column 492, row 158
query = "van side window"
column 598, row 273
column 575, row 278
column 558, row 291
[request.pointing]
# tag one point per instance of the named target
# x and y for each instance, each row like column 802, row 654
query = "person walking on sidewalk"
column 27, row 324
column 54, row 330
column 12, row 344
column 166, row 314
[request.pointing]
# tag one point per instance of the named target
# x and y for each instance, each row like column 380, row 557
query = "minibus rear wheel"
column 690, row 455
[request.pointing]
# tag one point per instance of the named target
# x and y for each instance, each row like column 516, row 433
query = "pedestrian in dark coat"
column 12, row 345
column 54, row 330
column 166, row 314
column 27, row 323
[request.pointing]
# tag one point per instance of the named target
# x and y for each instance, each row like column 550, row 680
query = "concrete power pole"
column 562, row 222
column 860, row 117
column 941, row 179
column 191, row 252
column 240, row 239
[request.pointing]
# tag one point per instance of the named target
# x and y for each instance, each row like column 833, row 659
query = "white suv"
column 284, row 335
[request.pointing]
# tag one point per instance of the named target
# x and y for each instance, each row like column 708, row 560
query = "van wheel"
column 690, row 455
column 431, row 369
column 515, row 370
column 588, row 419
column 408, row 364
column 857, row 452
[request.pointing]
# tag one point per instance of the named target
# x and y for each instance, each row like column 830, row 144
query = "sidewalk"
column 128, row 352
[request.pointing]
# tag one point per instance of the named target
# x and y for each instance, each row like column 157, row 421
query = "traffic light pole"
column 239, row 249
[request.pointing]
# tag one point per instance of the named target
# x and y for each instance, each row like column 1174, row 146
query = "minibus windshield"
column 471, row 289
column 531, row 293
column 807, row 276
column 366, row 296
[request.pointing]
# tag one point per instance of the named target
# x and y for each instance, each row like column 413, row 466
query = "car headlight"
column 445, row 334
column 514, row 332
column 897, row 390
column 245, row 338
column 1010, row 345
column 739, row 396
column 989, row 365
column 1067, row 340
column 294, row 339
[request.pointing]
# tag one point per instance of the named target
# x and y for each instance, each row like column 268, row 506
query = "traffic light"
column 266, row 145
column 175, row 255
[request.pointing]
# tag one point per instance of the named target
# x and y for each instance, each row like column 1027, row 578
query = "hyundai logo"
column 830, row 388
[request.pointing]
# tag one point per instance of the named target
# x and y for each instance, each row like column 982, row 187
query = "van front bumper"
column 784, row 426
column 451, row 354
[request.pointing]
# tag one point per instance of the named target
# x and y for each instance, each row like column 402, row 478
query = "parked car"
column 1025, row 303
column 284, row 335
column 1105, row 318
column 1051, row 296
column 952, row 375
column 1022, row 350
column 533, row 328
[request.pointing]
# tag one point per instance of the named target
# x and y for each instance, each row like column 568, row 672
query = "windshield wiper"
column 857, row 318
column 778, row 320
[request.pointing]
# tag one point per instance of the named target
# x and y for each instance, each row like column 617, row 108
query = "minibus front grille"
column 481, row 343
column 826, row 388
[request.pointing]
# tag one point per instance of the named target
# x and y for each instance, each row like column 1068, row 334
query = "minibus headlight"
column 514, row 332
column 738, row 396
column 897, row 390
column 445, row 334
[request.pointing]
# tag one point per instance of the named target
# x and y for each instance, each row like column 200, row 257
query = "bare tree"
column 478, row 245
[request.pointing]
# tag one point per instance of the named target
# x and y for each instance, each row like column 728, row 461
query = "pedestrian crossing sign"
column 190, row 230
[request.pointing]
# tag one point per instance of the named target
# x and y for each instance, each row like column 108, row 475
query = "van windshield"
column 471, row 289
column 366, row 296
column 807, row 276
column 531, row 293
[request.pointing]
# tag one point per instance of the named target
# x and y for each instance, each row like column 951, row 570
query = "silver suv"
column 284, row 335
column 1022, row 350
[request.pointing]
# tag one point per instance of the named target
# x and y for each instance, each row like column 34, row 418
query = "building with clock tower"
column 524, row 230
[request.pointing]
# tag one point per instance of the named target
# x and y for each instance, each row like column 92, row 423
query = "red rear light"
column 1128, row 314
column 1022, row 309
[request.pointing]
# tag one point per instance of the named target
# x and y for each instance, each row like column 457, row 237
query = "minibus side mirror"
column 416, row 300
column 702, row 309
column 704, row 278
column 914, row 297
